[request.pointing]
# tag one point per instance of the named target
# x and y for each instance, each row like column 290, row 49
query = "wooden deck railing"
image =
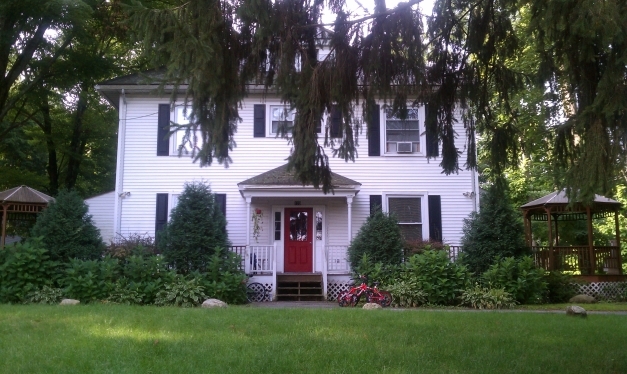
column 576, row 259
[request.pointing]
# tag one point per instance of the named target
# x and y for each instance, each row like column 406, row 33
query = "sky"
column 363, row 8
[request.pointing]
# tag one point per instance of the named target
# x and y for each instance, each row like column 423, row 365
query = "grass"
column 601, row 306
column 122, row 339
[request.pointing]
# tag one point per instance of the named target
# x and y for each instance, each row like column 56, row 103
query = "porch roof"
column 280, row 180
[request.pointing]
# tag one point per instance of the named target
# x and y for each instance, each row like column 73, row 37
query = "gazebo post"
column 591, row 242
column 551, row 256
column 5, row 208
column 557, row 235
column 620, row 260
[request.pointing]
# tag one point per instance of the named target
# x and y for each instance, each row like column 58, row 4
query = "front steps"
column 299, row 287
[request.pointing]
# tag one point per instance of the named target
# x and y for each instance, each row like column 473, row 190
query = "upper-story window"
column 178, row 137
column 281, row 117
column 402, row 136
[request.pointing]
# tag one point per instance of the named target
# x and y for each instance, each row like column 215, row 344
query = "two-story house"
column 288, row 233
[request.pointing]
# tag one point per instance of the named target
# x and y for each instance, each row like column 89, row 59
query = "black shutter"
column 161, row 217
column 435, row 218
column 163, row 140
column 374, row 132
column 431, row 129
column 221, row 202
column 336, row 122
column 259, row 121
column 376, row 203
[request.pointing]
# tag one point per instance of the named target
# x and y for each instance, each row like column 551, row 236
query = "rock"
column 582, row 299
column 69, row 302
column 372, row 306
column 577, row 311
column 214, row 303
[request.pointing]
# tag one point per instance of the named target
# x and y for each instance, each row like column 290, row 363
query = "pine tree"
column 196, row 227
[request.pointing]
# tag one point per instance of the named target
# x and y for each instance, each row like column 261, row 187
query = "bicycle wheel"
column 343, row 299
column 354, row 300
column 256, row 292
column 386, row 299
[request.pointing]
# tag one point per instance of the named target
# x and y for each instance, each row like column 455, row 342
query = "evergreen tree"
column 67, row 230
column 196, row 227
column 495, row 231
column 380, row 239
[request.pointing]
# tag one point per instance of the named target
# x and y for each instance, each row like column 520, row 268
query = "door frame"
column 315, row 246
column 310, row 236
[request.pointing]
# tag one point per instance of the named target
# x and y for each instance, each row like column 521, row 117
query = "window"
column 281, row 117
column 178, row 137
column 402, row 136
column 408, row 211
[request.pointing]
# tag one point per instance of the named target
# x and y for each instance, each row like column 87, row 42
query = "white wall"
column 101, row 210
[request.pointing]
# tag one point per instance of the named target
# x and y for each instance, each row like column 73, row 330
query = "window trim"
column 424, row 206
column 421, row 131
column 174, row 137
column 269, row 107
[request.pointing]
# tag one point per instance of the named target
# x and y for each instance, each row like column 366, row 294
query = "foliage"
column 487, row 298
column 380, row 272
column 560, row 287
column 124, row 293
column 412, row 247
column 181, row 292
column 380, row 238
column 195, row 228
column 24, row 268
column 224, row 279
column 442, row 280
column 519, row 277
column 147, row 275
column 130, row 245
column 90, row 280
column 496, row 230
column 406, row 292
column 45, row 295
column 67, row 229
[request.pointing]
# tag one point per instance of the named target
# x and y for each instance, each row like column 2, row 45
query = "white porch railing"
column 260, row 259
column 337, row 259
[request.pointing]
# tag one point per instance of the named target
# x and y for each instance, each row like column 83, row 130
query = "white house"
column 292, row 236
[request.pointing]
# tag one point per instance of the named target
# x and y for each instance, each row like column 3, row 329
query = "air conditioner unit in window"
column 404, row 147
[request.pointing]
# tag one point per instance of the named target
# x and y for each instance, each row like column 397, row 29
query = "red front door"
column 298, row 240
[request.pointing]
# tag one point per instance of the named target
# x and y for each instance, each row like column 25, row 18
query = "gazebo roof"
column 24, row 195
column 560, row 198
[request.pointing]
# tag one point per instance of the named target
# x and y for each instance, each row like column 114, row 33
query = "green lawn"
column 120, row 339
column 603, row 306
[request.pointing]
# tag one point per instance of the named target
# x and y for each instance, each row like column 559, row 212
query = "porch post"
column 620, row 260
column 349, row 202
column 248, row 218
column 5, row 207
column 590, row 242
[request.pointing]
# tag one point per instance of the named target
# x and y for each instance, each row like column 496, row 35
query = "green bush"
column 223, row 279
column 131, row 245
column 147, row 275
column 487, row 298
column 90, row 280
column 496, row 231
column 406, row 293
column 195, row 228
column 518, row 276
column 442, row 280
column 181, row 292
column 24, row 268
column 380, row 238
column 45, row 295
column 383, row 273
column 560, row 287
column 124, row 293
column 67, row 229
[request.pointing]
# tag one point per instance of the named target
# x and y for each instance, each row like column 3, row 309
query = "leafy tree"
column 67, row 230
column 495, row 231
column 380, row 239
column 196, row 227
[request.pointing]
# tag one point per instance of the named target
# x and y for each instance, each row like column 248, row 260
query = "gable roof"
column 559, row 197
column 282, row 177
column 24, row 194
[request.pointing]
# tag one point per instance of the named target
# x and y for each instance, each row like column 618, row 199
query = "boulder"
column 372, row 306
column 582, row 299
column 214, row 303
column 577, row 311
column 69, row 302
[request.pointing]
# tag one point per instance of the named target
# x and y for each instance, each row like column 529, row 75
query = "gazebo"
column 17, row 202
column 589, row 260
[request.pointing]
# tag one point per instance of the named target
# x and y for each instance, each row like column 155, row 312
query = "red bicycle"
column 373, row 294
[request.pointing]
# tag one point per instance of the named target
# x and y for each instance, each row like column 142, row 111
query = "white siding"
column 146, row 174
column 101, row 210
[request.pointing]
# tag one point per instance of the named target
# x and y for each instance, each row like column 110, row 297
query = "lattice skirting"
column 604, row 290
column 334, row 288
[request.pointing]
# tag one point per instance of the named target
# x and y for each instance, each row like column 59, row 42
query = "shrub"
column 124, row 293
column 520, row 277
column 406, row 293
column 67, row 229
column 383, row 273
column 24, row 268
column 413, row 247
column 442, row 280
column 487, row 298
column 90, row 280
column 380, row 238
column 224, row 280
column 45, row 295
column 131, row 245
column 195, row 228
column 560, row 287
column 181, row 292
column 496, row 231
column 147, row 275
